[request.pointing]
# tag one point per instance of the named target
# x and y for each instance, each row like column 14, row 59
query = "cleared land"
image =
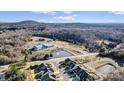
column 89, row 62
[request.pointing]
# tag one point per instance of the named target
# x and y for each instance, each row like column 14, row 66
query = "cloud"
column 66, row 18
column 75, row 15
column 117, row 12
column 45, row 21
column 50, row 13
column 68, row 12
column 41, row 20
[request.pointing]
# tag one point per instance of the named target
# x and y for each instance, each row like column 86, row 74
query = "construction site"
column 68, row 62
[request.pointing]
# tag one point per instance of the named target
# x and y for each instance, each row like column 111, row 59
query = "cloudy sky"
column 61, row 16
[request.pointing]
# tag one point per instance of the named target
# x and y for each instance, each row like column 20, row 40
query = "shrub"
column 15, row 74
column 5, row 60
column 3, row 51
column 33, row 67
column 44, row 55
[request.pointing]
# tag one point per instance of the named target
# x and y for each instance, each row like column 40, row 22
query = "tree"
column 4, row 60
column 46, row 57
column 102, row 50
column 26, row 53
column 15, row 74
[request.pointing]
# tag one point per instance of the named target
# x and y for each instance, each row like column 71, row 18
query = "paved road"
column 51, row 60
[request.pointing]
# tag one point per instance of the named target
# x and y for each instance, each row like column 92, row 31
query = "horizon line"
column 65, row 22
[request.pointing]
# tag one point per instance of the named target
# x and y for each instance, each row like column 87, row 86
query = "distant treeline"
column 88, row 35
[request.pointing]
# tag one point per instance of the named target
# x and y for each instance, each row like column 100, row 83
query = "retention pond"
column 61, row 53
column 106, row 69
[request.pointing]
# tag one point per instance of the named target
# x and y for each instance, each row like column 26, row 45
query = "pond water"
column 106, row 69
column 61, row 53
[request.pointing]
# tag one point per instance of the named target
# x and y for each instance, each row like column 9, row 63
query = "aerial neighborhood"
column 37, row 51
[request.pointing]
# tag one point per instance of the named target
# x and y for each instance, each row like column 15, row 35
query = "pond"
column 106, row 69
column 61, row 53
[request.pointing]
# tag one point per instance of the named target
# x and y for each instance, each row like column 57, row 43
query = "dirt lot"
column 75, row 49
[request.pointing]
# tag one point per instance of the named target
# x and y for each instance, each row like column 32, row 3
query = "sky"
column 63, row 16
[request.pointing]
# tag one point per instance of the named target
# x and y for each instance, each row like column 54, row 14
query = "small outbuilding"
column 41, row 46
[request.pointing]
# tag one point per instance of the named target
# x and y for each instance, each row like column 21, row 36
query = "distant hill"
column 66, row 25
column 28, row 22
